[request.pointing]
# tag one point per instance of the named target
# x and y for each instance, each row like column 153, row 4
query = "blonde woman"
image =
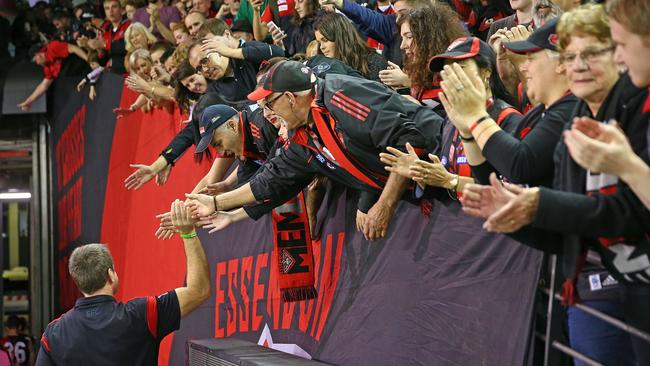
column 137, row 36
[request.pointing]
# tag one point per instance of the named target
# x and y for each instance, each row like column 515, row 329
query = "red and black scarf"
column 293, row 246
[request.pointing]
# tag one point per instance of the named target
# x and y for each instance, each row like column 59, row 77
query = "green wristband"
column 189, row 236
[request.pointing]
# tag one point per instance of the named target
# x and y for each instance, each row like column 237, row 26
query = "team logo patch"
column 552, row 39
column 455, row 43
column 305, row 70
column 286, row 261
column 321, row 68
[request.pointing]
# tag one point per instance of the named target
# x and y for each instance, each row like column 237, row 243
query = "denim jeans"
column 598, row 340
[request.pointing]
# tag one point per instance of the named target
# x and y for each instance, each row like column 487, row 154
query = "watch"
column 454, row 182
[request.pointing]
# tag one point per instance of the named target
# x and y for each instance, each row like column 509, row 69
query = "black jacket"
column 527, row 157
column 243, row 79
column 568, row 219
column 376, row 118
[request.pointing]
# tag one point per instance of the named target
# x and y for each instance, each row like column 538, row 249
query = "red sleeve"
column 56, row 50
column 51, row 71
column 267, row 16
column 152, row 315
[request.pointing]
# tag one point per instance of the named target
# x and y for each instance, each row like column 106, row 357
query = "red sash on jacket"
column 327, row 133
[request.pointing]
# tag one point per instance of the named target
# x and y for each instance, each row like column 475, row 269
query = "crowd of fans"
column 532, row 114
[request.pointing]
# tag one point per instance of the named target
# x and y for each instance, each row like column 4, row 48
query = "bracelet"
column 189, row 236
column 475, row 124
column 214, row 199
column 466, row 139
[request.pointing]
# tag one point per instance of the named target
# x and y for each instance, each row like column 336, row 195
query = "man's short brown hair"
column 633, row 15
column 89, row 265
column 213, row 26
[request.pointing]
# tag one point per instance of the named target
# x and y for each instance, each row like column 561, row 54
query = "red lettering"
column 233, row 266
column 246, row 292
column 258, row 289
column 307, row 307
column 328, row 282
column 221, row 271
column 69, row 214
column 273, row 294
column 70, row 149
column 246, row 268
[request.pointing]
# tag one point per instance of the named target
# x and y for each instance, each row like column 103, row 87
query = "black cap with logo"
column 212, row 118
column 291, row 76
column 460, row 49
column 543, row 38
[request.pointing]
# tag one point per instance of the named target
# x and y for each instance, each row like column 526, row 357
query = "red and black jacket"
column 361, row 119
column 115, row 45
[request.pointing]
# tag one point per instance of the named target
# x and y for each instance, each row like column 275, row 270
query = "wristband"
column 475, row 124
column 214, row 199
column 466, row 139
column 189, row 236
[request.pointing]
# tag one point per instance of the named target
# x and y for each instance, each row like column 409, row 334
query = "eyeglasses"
column 269, row 104
column 204, row 65
column 589, row 55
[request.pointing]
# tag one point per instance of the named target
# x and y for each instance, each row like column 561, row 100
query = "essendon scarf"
column 293, row 247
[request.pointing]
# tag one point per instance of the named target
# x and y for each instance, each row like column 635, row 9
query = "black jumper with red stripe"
column 101, row 331
column 358, row 119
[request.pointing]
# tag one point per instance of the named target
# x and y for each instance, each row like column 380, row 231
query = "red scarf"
column 293, row 246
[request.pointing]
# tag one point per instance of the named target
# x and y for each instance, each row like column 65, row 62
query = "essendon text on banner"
column 248, row 293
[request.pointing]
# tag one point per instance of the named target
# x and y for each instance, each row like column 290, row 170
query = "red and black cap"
column 461, row 49
column 212, row 118
column 543, row 38
column 291, row 76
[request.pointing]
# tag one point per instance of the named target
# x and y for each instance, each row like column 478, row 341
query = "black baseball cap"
column 543, row 38
column 460, row 49
column 241, row 25
column 291, row 76
column 212, row 118
column 34, row 49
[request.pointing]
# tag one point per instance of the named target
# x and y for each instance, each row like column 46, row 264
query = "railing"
column 549, row 338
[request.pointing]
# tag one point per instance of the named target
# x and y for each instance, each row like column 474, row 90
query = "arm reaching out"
column 197, row 288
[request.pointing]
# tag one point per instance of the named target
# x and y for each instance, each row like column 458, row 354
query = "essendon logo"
column 552, row 39
column 248, row 295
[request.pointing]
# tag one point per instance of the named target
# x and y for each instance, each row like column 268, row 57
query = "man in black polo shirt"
column 229, row 64
column 101, row 331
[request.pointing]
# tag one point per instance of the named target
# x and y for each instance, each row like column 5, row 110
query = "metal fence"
column 554, row 313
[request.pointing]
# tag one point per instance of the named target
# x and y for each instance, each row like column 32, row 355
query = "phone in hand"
column 272, row 26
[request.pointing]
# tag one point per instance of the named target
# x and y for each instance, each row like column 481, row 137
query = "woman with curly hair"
column 426, row 32
column 337, row 38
